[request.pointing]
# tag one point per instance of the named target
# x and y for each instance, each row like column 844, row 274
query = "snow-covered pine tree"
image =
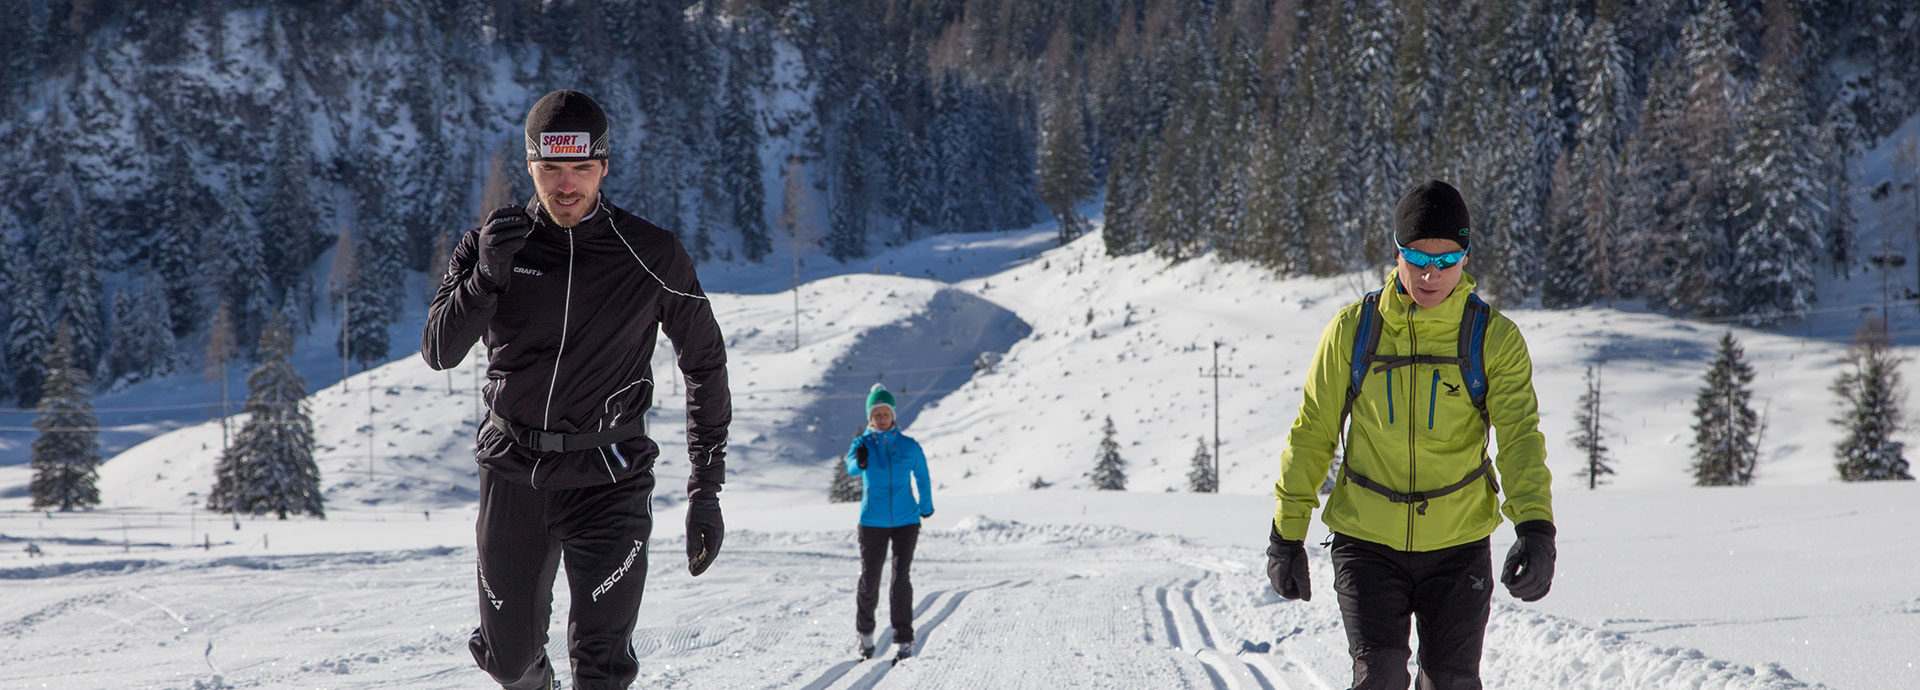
column 1605, row 106
column 142, row 346
column 270, row 468
column 1569, row 281
column 178, row 251
column 240, row 270
column 1838, row 132
column 1109, row 469
column 289, row 231
column 953, row 138
column 738, row 132
column 1651, row 171
column 66, row 455
column 1870, row 395
column 845, row 488
column 366, row 315
column 80, row 296
column 1177, row 181
column 1725, row 427
column 1065, row 164
column 119, row 357
column 1701, row 224
column 27, row 333
column 1125, row 189
column 847, row 223
column 1378, row 166
column 1778, row 188
column 1200, row 479
column 1420, row 86
column 1587, row 435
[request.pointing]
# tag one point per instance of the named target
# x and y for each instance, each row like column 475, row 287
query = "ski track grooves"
column 922, row 633
column 1223, row 668
column 881, row 636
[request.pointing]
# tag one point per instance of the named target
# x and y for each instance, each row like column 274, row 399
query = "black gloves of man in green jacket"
column 1287, row 567
column 1528, row 573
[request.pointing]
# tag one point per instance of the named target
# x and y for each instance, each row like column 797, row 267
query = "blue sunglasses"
column 1439, row 261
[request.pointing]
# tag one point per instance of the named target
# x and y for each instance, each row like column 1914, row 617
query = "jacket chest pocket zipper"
column 1433, row 397
column 1389, row 396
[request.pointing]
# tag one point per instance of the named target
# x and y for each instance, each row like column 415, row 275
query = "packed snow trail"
column 999, row 603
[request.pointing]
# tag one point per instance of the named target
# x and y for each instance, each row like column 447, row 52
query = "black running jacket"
column 570, row 347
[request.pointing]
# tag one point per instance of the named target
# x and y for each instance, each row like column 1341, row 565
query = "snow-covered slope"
column 1660, row 585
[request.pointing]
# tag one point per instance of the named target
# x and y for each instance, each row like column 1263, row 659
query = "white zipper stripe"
column 566, row 304
column 643, row 264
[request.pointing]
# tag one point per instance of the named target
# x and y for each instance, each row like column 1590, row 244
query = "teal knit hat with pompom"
column 879, row 397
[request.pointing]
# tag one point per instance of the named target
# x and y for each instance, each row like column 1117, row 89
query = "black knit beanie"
column 566, row 125
column 1433, row 209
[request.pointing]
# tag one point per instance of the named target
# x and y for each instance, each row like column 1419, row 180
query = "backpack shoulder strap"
column 1365, row 339
column 1472, row 351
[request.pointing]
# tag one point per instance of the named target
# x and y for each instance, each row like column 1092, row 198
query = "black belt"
column 1421, row 497
column 554, row 442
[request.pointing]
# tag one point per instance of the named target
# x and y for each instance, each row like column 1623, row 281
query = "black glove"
column 502, row 236
column 926, row 515
column 704, row 530
column 1287, row 567
column 1528, row 573
column 860, row 455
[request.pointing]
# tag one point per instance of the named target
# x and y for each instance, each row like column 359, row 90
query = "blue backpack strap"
column 1472, row 350
column 1365, row 339
column 1473, row 366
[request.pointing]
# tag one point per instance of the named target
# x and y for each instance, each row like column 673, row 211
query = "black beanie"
column 566, row 125
column 1432, row 210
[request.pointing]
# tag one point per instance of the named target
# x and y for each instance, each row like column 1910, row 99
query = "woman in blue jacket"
column 890, row 511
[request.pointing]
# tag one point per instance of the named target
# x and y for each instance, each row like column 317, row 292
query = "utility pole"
column 370, row 427
column 1215, row 374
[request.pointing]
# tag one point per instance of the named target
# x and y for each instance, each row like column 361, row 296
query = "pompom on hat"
column 879, row 397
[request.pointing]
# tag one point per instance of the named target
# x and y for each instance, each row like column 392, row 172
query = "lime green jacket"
column 1416, row 429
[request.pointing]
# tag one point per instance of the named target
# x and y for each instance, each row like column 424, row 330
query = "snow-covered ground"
column 1798, row 581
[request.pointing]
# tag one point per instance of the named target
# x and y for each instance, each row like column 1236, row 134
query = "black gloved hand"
column 926, row 515
column 704, row 531
column 1287, row 567
column 860, row 455
column 1528, row 573
column 501, row 237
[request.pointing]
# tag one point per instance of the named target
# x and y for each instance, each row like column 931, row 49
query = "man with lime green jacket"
column 1416, row 498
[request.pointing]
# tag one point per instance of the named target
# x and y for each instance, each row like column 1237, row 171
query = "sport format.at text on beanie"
column 566, row 125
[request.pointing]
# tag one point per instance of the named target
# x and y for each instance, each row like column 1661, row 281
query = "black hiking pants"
column 523, row 534
column 873, row 554
column 1448, row 592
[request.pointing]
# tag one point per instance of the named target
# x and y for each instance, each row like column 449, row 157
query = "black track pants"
column 1449, row 592
column 601, row 533
column 873, row 554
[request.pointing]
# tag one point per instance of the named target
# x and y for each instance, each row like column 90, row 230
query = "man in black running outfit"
column 569, row 293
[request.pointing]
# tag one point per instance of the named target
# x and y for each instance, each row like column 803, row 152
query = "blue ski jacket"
column 886, row 500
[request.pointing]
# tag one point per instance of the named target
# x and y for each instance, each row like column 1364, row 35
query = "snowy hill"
column 1660, row 586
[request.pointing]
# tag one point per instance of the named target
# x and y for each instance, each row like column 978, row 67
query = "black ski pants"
column 524, row 533
column 1449, row 593
column 873, row 554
